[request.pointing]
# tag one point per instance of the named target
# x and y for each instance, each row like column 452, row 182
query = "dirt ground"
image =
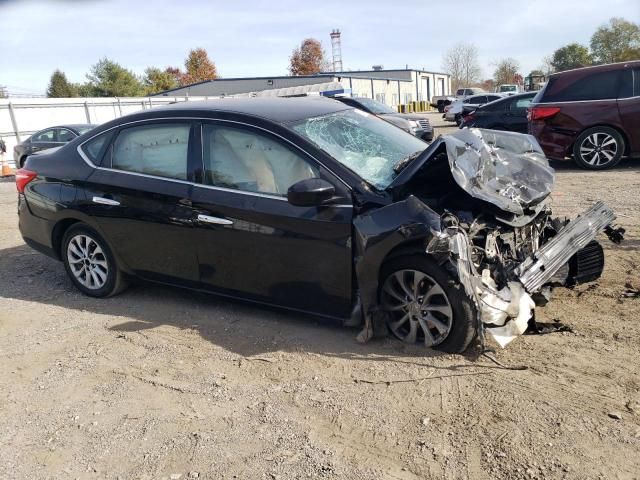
column 163, row 383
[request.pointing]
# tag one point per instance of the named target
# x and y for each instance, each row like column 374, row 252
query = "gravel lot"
column 163, row 383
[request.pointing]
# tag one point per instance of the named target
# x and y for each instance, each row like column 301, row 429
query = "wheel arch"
column 57, row 234
column 624, row 136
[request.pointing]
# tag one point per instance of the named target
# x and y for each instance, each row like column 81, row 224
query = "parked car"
column 508, row 89
column 48, row 138
column 441, row 101
column 415, row 123
column 509, row 113
column 592, row 114
column 454, row 112
column 314, row 206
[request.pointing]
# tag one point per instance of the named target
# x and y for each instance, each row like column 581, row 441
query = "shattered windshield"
column 362, row 142
column 503, row 168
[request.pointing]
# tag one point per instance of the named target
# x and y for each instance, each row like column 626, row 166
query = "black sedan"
column 509, row 114
column 306, row 204
column 415, row 123
column 48, row 138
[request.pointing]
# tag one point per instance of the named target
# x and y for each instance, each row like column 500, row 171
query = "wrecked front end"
column 479, row 200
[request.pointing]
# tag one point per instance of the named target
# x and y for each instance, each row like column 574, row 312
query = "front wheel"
column 598, row 148
column 89, row 262
column 426, row 305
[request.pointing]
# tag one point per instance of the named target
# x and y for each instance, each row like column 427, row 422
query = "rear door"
column 629, row 107
column 252, row 242
column 139, row 197
column 515, row 118
column 44, row 140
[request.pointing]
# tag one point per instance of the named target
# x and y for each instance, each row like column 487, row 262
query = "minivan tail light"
column 540, row 113
column 24, row 176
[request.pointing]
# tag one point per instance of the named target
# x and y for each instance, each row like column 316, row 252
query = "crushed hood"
column 506, row 169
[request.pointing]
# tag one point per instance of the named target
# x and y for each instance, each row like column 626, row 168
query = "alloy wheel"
column 598, row 149
column 419, row 307
column 87, row 262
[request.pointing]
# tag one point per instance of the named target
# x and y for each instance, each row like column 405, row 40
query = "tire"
column 105, row 278
column 440, row 107
column 598, row 148
column 448, row 306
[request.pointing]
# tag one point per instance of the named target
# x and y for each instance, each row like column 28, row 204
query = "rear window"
column 595, row 86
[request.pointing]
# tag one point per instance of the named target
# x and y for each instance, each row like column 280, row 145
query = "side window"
column 597, row 86
column 636, row 82
column 44, row 136
column 626, row 83
column 249, row 160
column 159, row 149
column 65, row 135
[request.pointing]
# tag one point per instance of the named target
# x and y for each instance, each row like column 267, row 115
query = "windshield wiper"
column 403, row 162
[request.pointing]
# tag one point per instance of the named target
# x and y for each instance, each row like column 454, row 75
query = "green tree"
column 156, row 80
column 570, row 56
column 617, row 41
column 108, row 79
column 198, row 67
column 308, row 58
column 60, row 87
column 506, row 71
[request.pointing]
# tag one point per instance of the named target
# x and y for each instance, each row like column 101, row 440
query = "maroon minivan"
column 592, row 114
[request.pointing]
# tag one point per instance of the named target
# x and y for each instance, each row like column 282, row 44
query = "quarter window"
column 247, row 160
column 159, row 150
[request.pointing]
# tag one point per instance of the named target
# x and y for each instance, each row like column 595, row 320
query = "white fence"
column 21, row 117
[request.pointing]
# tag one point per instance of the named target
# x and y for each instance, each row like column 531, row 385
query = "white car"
column 453, row 112
column 508, row 89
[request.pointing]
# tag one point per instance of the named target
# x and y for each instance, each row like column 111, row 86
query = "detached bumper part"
column 538, row 269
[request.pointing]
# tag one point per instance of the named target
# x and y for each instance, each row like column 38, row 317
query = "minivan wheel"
column 89, row 262
column 598, row 148
column 425, row 305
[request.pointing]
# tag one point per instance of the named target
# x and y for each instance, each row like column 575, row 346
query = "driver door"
column 252, row 242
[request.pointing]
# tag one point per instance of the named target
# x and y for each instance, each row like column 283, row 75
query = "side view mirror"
column 311, row 192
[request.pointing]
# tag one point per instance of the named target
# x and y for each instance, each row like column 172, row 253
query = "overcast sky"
column 255, row 38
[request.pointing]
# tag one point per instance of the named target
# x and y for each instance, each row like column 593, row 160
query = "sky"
column 255, row 38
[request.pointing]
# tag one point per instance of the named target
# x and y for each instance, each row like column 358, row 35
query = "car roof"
column 72, row 126
column 280, row 110
column 599, row 68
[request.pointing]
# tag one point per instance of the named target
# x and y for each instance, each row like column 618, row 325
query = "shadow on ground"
column 242, row 328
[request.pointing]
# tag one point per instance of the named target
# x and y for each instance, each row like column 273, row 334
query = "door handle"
column 214, row 220
column 106, row 201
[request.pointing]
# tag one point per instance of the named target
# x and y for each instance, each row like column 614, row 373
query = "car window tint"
column 44, row 136
column 65, row 135
column 248, row 160
column 636, row 82
column 596, row 86
column 159, row 150
column 626, row 84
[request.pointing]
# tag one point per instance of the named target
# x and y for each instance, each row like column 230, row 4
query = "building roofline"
column 280, row 77
column 390, row 70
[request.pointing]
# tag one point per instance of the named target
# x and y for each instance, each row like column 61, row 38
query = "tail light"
column 24, row 176
column 540, row 113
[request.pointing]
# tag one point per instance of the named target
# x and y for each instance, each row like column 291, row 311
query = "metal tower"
column 336, row 48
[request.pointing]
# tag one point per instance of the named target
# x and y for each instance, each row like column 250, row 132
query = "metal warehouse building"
column 393, row 87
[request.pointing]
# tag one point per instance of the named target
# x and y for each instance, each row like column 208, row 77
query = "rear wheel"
column 425, row 305
column 89, row 262
column 598, row 148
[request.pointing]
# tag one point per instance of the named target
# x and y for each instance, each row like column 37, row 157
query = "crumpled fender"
column 376, row 234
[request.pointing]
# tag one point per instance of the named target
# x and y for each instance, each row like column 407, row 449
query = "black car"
column 310, row 205
column 48, row 138
column 509, row 113
column 415, row 123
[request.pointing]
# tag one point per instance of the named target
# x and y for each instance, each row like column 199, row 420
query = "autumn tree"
column 198, row 68
column 461, row 62
column 108, row 79
column 308, row 58
column 570, row 56
column 617, row 41
column 60, row 87
column 156, row 80
column 506, row 71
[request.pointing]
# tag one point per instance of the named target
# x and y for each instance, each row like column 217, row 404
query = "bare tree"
column 461, row 62
column 506, row 71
